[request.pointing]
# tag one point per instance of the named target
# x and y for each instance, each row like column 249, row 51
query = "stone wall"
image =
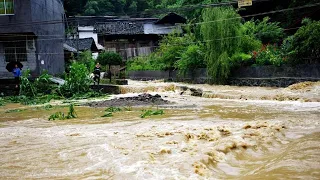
column 246, row 76
column 275, row 76
column 149, row 75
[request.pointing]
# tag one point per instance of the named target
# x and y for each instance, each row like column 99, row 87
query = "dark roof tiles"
column 82, row 44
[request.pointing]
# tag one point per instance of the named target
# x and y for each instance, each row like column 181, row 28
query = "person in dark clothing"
column 97, row 73
column 16, row 73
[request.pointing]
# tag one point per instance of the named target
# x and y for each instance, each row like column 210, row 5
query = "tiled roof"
column 82, row 44
column 66, row 47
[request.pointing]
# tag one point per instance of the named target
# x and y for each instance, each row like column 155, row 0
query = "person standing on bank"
column 16, row 73
column 97, row 74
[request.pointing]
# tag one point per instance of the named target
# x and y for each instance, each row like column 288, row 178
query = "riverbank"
column 304, row 92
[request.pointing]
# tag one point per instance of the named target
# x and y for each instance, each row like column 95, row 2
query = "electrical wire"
column 171, row 45
column 240, row 17
column 283, row 10
column 71, row 20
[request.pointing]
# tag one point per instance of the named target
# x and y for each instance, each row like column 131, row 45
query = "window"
column 6, row 7
column 15, row 51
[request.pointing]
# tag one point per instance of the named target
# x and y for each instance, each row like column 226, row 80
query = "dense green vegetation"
column 109, row 59
column 304, row 46
column 218, row 38
column 61, row 116
column 176, row 51
column 146, row 113
column 222, row 41
column 42, row 90
column 219, row 45
column 188, row 8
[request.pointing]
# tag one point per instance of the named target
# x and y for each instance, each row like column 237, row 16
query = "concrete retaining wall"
column 148, row 75
column 304, row 71
column 245, row 76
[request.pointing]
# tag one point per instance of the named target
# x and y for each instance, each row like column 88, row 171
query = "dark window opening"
column 6, row 7
column 15, row 51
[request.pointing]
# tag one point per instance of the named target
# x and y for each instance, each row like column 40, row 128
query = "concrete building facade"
column 33, row 34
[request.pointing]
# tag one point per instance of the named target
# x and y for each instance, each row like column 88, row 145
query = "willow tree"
column 220, row 30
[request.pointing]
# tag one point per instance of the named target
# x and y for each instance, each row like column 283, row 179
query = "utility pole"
column 77, row 41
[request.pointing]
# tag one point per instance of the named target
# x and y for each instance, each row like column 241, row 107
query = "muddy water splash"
column 219, row 140
column 305, row 92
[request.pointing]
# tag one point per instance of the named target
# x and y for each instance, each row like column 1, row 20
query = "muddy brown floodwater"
column 196, row 138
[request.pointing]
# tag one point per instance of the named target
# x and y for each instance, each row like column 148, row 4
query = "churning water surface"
column 222, row 139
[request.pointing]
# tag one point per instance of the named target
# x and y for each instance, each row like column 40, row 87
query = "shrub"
column 26, row 87
column 265, row 31
column 175, row 51
column 190, row 59
column 109, row 58
column 249, row 41
column 77, row 81
column 304, row 46
column 269, row 55
column 39, row 86
column 86, row 59
column 143, row 63
column 241, row 59
column 146, row 113
column 61, row 116
column 172, row 47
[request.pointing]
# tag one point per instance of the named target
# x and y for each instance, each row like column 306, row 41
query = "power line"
column 194, row 23
column 258, row 14
column 59, row 21
column 240, row 17
column 182, row 8
column 171, row 45
column 246, row 16
column 70, row 20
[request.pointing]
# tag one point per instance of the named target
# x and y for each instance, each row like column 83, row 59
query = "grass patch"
column 2, row 102
column 146, row 113
column 43, row 99
column 107, row 114
column 113, row 109
column 110, row 110
column 48, row 107
column 61, row 116
column 15, row 110
column 129, row 108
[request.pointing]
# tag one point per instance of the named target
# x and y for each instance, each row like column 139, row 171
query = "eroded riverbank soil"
column 139, row 100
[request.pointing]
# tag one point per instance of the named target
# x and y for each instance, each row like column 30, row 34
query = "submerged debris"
column 140, row 100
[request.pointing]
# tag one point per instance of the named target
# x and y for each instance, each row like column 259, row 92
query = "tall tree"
column 219, row 29
column 74, row 7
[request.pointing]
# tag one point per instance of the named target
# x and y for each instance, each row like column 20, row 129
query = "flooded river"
column 196, row 138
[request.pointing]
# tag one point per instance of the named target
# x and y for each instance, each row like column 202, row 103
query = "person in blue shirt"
column 16, row 73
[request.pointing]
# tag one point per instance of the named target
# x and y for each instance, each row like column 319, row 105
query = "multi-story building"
column 32, row 32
